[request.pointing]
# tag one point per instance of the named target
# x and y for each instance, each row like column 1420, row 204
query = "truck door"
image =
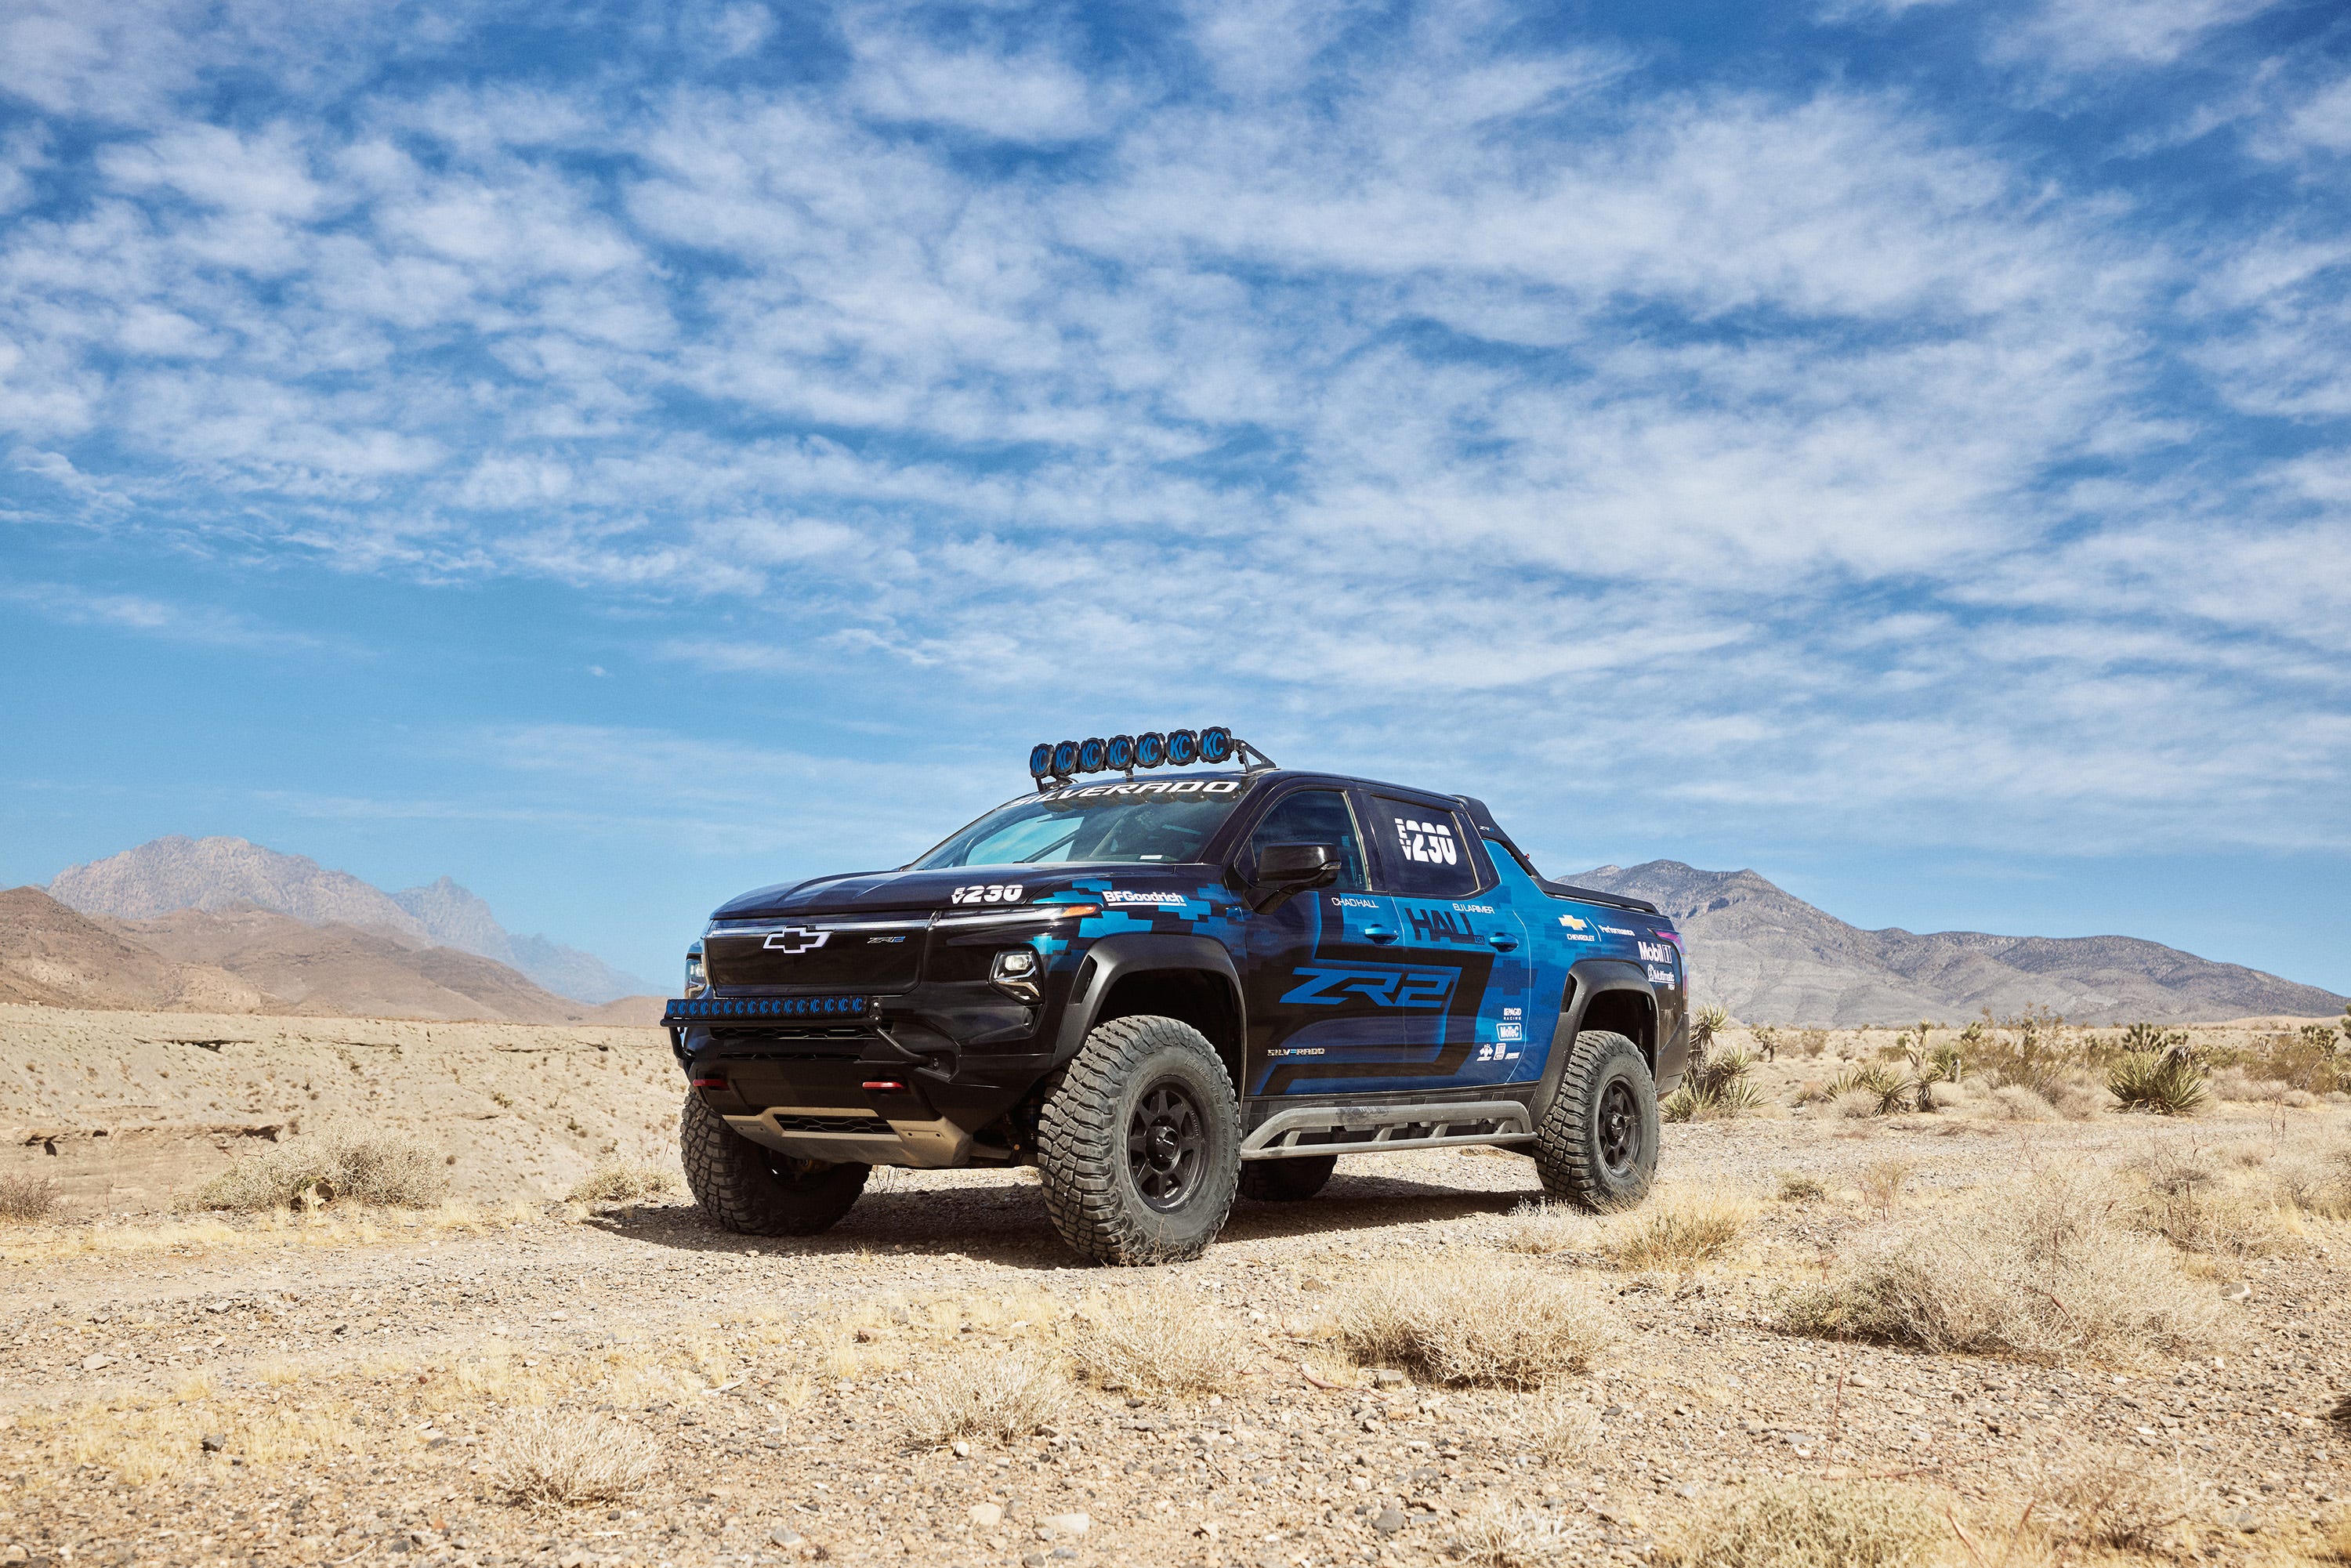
column 1453, row 924
column 1316, row 960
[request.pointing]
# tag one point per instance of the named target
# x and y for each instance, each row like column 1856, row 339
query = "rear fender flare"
column 1590, row 978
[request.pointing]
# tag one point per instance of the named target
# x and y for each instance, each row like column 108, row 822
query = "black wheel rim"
column 1620, row 1128
column 1166, row 1145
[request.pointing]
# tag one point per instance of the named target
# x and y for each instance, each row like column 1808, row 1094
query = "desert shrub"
column 1881, row 1182
column 1798, row 1187
column 2031, row 1050
column 2185, row 1200
column 1716, row 1087
column 2141, row 1039
column 548, row 1456
column 1855, row 1106
column 373, row 1168
column 2168, row 1083
column 27, row 1198
column 1563, row 1430
column 1798, row 1522
column 1471, row 1320
column 2234, row 1083
column 2043, row 1270
column 1002, row 1397
column 1812, row 1042
column 1158, row 1340
column 623, row 1181
column 1500, row 1534
column 1680, row 1233
column 2316, row 1186
column 2313, row 1060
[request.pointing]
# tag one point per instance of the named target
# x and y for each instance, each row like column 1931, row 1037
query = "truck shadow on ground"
column 1007, row 1226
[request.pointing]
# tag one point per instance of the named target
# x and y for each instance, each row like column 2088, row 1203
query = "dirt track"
column 353, row 1372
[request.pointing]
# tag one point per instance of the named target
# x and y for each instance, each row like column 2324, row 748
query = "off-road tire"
column 1598, row 1146
column 748, row 1188
column 1134, row 1079
column 1286, row 1181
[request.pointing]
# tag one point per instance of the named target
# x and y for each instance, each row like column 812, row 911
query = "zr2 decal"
column 988, row 893
column 1381, row 985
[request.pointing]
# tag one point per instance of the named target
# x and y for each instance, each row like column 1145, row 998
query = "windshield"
column 1161, row 820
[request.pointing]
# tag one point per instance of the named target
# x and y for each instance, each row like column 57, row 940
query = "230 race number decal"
column 988, row 893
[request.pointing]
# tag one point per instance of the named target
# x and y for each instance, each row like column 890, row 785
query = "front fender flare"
column 1115, row 958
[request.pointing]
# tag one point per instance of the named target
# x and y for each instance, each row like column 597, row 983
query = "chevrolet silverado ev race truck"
column 1165, row 991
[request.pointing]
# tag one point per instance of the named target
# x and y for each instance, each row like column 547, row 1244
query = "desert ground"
column 1995, row 1331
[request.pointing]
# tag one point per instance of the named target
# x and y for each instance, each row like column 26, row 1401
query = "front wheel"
column 1597, row 1146
column 1138, row 1145
column 750, row 1187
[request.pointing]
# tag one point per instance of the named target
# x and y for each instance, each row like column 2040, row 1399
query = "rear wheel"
column 1286, row 1181
column 750, row 1187
column 1138, row 1145
column 1597, row 1146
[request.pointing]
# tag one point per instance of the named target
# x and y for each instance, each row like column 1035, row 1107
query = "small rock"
column 2243, row 1519
column 784, row 1535
column 1207, row 1528
column 1064, row 1524
column 213, row 1442
column 986, row 1515
column 1387, row 1377
column 1063, row 1552
column 1387, row 1522
column 2236, row 1290
column 92, row 1363
column 961, row 1450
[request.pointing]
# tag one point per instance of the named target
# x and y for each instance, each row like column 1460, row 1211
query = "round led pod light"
column 1065, row 758
column 1216, row 743
column 1089, row 754
column 1150, row 749
column 1041, row 759
column 1183, row 748
column 1119, row 755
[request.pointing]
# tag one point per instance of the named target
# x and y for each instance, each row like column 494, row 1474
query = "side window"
column 1315, row 817
column 1426, row 852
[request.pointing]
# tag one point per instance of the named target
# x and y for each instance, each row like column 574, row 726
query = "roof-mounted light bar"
column 1052, row 764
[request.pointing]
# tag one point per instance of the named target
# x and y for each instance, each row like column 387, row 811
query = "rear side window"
column 1315, row 817
column 1426, row 852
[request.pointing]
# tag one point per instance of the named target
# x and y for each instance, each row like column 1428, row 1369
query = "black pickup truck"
column 1167, row 990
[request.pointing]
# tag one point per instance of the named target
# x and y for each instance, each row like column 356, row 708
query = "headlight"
column 696, row 982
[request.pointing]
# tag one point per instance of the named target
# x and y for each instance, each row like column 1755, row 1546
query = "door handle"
column 1378, row 934
column 1503, row 940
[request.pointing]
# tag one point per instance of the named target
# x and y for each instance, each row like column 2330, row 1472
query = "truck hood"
column 879, row 891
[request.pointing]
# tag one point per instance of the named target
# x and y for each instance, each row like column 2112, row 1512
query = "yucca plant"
column 2146, row 1038
column 2161, row 1083
column 1892, row 1089
column 1715, row 1087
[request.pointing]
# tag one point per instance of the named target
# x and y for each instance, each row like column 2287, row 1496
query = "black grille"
column 817, row 954
column 832, row 1124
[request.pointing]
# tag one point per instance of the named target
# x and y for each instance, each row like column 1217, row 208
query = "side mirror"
column 1284, row 870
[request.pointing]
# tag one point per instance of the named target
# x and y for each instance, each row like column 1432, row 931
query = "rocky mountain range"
column 216, row 874
column 1768, row 956
column 242, row 959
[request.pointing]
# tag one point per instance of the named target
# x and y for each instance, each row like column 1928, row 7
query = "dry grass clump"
column 2104, row 1495
column 1499, row 1535
column 1881, row 1182
column 1797, row 1522
column 1563, row 1430
column 1540, row 1228
column 1677, row 1234
column 2185, row 1200
column 543, row 1457
column 372, row 1167
column 1162, row 1339
column 623, row 1181
column 26, row 1200
column 1006, row 1396
column 1483, row 1320
column 1800, row 1187
column 2042, row 1269
column 2018, row 1103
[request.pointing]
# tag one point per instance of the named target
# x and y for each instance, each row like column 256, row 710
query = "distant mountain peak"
column 220, row 873
column 1771, row 957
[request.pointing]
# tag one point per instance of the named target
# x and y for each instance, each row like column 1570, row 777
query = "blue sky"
column 620, row 454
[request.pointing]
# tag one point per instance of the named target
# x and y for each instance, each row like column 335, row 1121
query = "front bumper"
column 923, row 1079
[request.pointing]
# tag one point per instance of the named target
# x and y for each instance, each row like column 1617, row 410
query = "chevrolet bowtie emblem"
column 796, row 939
